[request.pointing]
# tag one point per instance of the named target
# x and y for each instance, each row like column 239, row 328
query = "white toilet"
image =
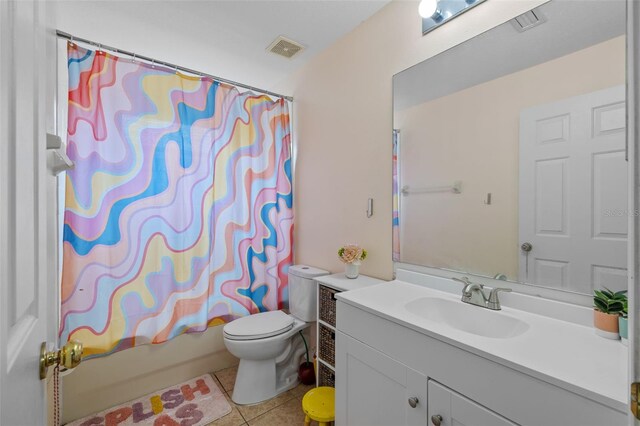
column 269, row 345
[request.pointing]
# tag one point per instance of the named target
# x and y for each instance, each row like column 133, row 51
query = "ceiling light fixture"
column 436, row 12
column 428, row 8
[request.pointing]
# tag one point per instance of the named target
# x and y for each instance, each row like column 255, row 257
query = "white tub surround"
column 548, row 372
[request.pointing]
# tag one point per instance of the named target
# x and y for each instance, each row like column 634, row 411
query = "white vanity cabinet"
column 377, row 389
column 447, row 407
column 382, row 363
column 381, row 391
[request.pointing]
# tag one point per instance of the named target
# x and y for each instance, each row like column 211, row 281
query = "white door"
column 27, row 312
column 573, row 193
column 447, row 407
column 373, row 389
column 633, row 138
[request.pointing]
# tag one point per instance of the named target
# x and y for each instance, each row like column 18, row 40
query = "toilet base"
column 260, row 380
column 256, row 382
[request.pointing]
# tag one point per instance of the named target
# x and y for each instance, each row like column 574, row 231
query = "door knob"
column 436, row 420
column 413, row 402
column 69, row 356
column 526, row 247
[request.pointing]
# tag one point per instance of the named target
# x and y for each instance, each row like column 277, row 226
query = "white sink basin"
column 471, row 319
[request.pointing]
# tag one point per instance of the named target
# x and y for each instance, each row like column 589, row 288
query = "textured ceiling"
column 229, row 38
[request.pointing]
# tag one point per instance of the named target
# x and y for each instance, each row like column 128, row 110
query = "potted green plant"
column 623, row 322
column 607, row 306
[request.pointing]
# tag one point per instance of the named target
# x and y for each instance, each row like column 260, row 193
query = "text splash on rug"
column 197, row 401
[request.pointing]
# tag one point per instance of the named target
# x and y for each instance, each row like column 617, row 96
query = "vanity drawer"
column 326, row 376
column 327, row 347
column 327, row 304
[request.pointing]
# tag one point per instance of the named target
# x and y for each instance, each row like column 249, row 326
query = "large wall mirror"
column 509, row 152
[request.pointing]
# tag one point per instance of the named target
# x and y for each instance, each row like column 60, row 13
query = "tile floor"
column 283, row 410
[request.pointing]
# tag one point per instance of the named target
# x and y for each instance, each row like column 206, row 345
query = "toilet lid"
column 259, row 326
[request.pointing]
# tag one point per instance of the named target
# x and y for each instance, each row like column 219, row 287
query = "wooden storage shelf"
column 326, row 335
column 326, row 375
column 327, row 304
column 327, row 344
column 328, row 287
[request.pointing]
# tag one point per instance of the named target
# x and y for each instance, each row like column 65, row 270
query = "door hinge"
column 635, row 399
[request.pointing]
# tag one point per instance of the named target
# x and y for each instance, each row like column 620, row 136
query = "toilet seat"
column 259, row 326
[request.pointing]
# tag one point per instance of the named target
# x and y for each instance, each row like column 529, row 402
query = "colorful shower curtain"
column 396, row 197
column 178, row 213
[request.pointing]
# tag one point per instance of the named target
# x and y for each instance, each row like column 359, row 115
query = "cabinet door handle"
column 436, row 419
column 413, row 402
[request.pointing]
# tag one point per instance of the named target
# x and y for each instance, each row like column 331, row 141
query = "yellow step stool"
column 319, row 404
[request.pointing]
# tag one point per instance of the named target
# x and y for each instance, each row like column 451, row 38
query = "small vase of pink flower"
column 351, row 255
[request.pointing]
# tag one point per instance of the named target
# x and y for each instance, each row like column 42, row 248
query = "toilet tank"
column 303, row 291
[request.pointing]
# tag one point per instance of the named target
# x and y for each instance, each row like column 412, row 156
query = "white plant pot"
column 352, row 270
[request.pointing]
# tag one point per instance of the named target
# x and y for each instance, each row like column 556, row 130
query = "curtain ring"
column 153, row 63
column 134, row 58
column 176, row 69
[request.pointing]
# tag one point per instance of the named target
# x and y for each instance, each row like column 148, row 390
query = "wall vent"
column 285, row 47
column 528, row 20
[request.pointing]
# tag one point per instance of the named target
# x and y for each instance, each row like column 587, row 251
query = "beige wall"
column 343, row 124
column 472, row 136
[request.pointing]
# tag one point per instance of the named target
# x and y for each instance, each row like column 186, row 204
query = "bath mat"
column 197, row 401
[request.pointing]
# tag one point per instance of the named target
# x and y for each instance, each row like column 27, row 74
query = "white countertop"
column 565, row 354
column 341, row 282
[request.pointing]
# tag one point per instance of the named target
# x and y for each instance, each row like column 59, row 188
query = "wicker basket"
column 327, row 305
column 327, row 350
column 326, row 376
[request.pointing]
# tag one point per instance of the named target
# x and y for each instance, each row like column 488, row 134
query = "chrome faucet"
column 473, row 294
column 493, row 302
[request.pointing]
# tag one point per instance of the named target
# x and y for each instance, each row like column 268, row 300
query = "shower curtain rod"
column 71, row 38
